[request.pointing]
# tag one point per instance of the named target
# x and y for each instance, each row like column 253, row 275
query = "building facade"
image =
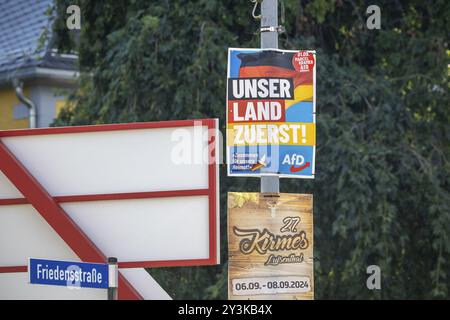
column 30, row 68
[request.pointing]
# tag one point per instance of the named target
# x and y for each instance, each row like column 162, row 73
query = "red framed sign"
column 146, row 193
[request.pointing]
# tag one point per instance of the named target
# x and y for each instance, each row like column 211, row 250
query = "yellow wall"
column 59, row 105
column 8, row 100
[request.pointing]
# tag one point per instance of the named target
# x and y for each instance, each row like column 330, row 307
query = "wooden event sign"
column 270, row 246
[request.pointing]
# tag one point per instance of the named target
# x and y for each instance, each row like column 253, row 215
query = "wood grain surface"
column 260, row 226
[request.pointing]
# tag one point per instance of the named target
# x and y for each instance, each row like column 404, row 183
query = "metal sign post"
column 87, row 173
column 269, row 39
column 271, row 128
column 113, row 272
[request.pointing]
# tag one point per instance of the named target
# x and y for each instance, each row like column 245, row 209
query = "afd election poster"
column 271, row 113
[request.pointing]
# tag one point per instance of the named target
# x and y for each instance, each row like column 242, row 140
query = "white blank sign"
column 152, row 229
column 124, row 189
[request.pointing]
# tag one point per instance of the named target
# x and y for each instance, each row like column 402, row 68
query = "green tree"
column 381, row 195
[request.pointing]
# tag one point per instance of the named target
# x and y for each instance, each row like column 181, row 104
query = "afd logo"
column 296, row 161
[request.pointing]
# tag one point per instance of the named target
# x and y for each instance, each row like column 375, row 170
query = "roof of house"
column 22, row 50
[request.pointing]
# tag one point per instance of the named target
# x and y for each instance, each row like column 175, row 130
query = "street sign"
column 68, row 273
column 270, row 241
column 271, row 113
column 146, row 193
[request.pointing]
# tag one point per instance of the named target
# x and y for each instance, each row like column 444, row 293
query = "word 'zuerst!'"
column 260, row 88
column 269, row 133
column 71, row 275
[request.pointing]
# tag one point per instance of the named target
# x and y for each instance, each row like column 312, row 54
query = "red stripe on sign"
column 167, row 263
column 132, row 195
column 212, row 186
column 115, row 196
column 137, row 264
column 126, row 290
column 105, row 127
column 10, row 202
column 13, row 269
column 256, row 111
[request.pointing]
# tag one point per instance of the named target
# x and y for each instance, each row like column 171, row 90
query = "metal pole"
column 269, row 39
column 113, row 275
column 269, row 18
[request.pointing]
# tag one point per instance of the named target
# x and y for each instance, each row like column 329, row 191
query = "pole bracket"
column 279, row 29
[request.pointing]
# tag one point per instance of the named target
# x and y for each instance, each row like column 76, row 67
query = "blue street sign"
column 68, row 273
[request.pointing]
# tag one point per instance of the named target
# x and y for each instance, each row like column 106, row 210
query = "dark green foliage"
column 382, row 192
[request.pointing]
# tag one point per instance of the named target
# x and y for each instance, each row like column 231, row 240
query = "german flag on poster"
column 271, row 121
